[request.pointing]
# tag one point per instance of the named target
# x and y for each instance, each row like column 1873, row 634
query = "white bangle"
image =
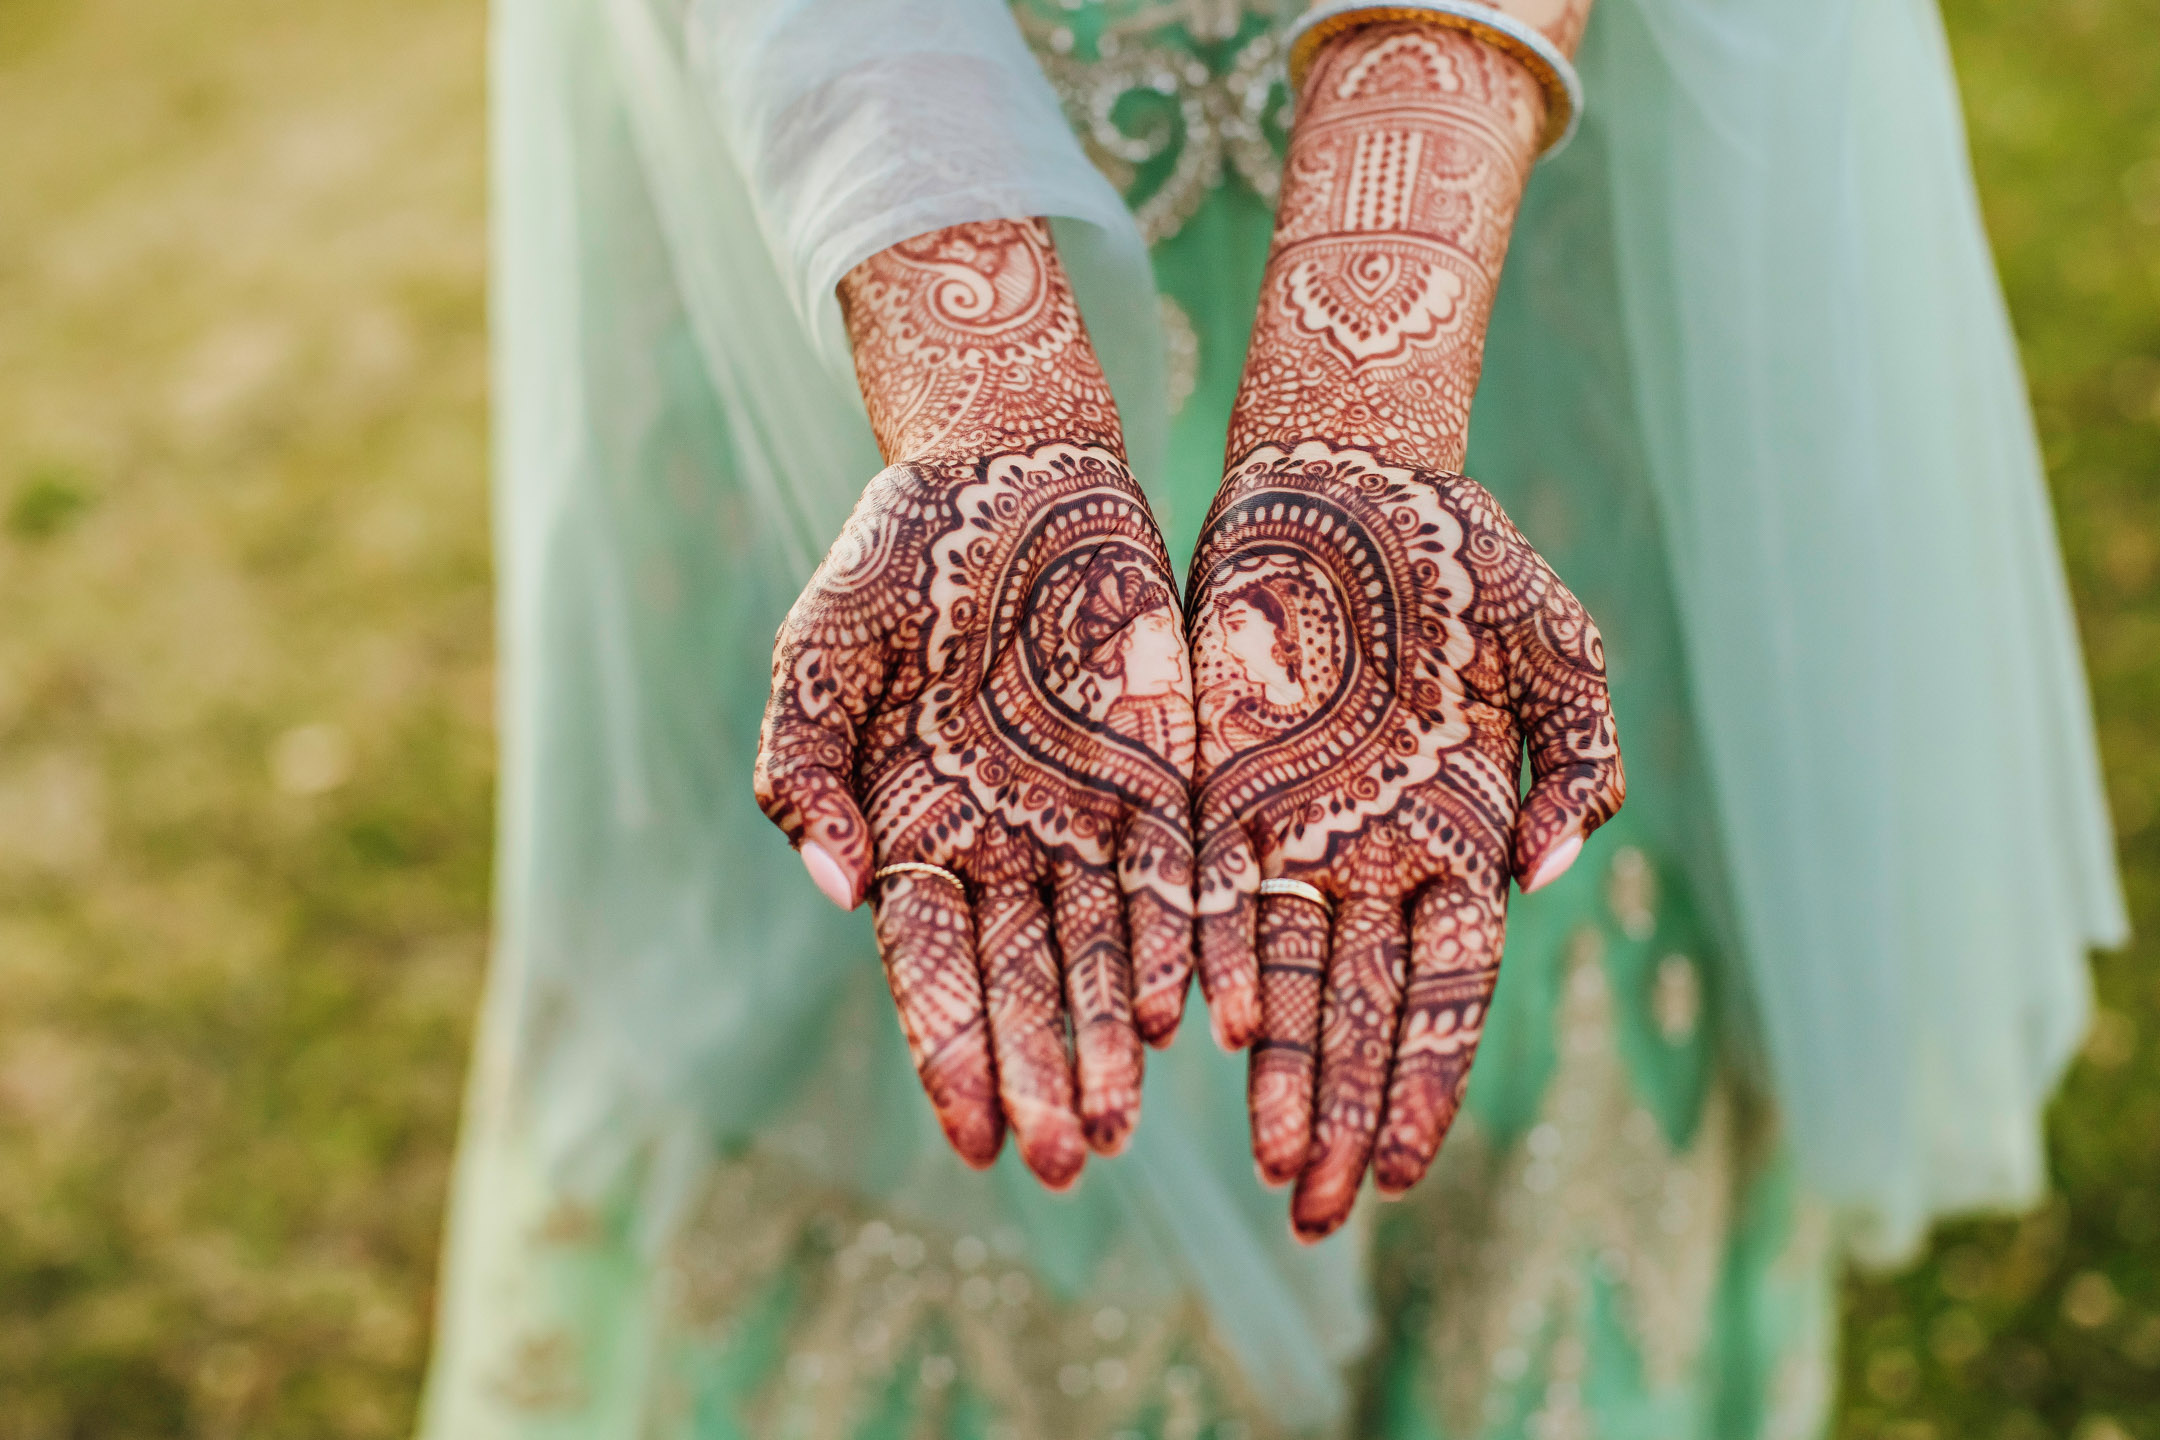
column 1542, row 58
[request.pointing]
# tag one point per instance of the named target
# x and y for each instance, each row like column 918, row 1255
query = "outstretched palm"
column 988, row 675
column 1374, row 646
column 1375, row 643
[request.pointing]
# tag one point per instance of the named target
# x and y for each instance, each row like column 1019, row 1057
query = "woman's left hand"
column 1374, row 642
column 1374, row 646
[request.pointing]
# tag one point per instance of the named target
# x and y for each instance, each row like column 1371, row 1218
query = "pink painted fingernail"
column 826, row 874
column 1555, row 864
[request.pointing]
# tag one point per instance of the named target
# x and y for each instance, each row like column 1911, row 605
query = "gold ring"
column 918, row 867
column 1298, row 888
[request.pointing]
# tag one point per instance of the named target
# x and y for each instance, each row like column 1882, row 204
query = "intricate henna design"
column 1405, row 171
column 968, row 342
column 1292, row 944
column 989, row 674
column 1374, row 646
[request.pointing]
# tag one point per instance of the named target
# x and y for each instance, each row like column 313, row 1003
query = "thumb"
column 813, row 804
column 838, row 883
column 1566, row 802
column 1578, row 782
column 805, row 780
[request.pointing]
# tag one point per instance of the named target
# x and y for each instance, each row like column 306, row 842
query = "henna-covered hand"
column 989, row 674
column 1374, row 645
column 1374, row 642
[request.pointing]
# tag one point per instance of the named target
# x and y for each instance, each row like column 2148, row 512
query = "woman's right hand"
column 988, row 675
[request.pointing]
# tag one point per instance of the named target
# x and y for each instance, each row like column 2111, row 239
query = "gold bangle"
column 919, row 867
column 1298, row 888
column 1551, row 69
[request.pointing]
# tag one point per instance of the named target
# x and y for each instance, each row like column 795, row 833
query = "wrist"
column 968, row 341
column 1416, row 415
column 1540, row 35
column 1406, row 167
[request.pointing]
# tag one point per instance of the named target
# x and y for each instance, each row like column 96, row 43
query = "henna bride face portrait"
column 1266, row 655
column 1257, row 632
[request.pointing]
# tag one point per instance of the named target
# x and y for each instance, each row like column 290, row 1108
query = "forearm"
column 1406, row 169
column 1561, row 21
column 968, row 342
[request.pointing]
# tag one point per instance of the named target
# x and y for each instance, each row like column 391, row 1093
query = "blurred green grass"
column 244, row 704
column 245, row 716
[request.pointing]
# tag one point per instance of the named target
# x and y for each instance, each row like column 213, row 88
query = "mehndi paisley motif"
column 1405, row 171
column 989, row 674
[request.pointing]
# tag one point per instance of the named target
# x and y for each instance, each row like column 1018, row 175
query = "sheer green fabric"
column 1752, row 396
column 1876, row 625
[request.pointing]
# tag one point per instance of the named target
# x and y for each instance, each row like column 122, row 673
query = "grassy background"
column 245, row 691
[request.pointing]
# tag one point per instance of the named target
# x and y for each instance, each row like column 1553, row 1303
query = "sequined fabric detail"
column 1593, row 1198
column 877, row 1304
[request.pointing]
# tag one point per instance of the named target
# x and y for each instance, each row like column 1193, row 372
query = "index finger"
column 1455, row 940
column 1155, row 870
column 1228, row 912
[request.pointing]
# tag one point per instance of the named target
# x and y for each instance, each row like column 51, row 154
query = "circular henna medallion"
column 1326, row 644
column 1081, row 668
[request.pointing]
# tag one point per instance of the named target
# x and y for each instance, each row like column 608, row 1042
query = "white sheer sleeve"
column 858, row 123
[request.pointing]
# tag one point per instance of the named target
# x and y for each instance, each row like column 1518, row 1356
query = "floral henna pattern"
column 1374, row 647
column 989, row 674
column 1374, row 644
column 1404, row 175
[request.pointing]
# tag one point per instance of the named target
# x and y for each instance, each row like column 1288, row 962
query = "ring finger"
column 927, row 939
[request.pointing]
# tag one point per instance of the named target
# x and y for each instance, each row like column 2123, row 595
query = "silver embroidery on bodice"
column 1205, row 78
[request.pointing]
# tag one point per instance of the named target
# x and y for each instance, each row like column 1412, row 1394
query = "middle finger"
column 1098, row 986
column 1293, row 945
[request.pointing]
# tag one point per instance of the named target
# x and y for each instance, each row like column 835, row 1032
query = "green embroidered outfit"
column 700, row 1196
